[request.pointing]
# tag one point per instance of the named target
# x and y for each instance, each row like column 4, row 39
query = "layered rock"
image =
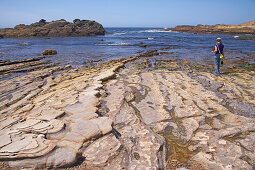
column 197, row 113
column 43, row 121
column 10, row 68
column 163, row 117
column 57, row 28
column 244, row 28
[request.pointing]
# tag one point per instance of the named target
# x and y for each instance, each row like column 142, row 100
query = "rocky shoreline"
column 59, row 28
column 244, row 28
column 134, row 113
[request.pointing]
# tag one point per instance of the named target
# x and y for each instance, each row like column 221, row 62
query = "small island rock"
column 57, row 28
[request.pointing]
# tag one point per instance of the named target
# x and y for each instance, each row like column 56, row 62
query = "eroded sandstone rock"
column 66, row 114
column 198, row 126
column 30, row 146
column 102, row 151
column 189, row 118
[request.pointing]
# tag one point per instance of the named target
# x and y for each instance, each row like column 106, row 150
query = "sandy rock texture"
column 134, row 113
column 206, row 122
column 57, row 28
column 45, row 119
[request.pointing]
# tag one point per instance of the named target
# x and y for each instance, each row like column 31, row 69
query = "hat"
column 218, row 39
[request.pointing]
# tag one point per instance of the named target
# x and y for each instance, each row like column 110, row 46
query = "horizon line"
column 2, row 27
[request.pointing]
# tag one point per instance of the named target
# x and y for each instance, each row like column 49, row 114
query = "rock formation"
column 244, row 28
column 49, row 52
column 57, row 28
column 129, row 114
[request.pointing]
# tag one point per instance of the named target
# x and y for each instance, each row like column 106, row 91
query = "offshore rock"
column 49, row 52
column 57, row 28
column 244, row 28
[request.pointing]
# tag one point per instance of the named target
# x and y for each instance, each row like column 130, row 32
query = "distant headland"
column 57, row 28
column 244, row 28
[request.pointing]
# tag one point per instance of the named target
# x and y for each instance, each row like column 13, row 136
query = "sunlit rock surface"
column 129, row 114
column 243, row 28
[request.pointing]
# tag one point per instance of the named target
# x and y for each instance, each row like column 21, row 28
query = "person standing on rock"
column 219, row 55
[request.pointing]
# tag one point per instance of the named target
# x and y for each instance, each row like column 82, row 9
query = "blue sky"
column 124, row 13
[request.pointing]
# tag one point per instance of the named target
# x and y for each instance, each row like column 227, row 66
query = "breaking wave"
column 120, row 33
column 114, row 44
column 156, row 30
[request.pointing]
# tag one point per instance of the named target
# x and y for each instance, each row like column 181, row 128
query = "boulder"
column 49, row 52
column 143, row 45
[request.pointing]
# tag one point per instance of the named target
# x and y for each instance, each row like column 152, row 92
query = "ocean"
column 125, row 42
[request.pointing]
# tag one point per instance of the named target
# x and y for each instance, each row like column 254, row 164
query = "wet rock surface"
column 18, row 68
column 136, row 113
column 243, row 28
column 49, row 52
column 57, row 28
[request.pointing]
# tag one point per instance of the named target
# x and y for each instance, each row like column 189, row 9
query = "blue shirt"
column 219, row 47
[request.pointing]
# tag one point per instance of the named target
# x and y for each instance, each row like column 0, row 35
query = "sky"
column 129, row 13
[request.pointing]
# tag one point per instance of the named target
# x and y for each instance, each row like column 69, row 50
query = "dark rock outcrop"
column 55, row 29
column 245, row 38
column 49, row 52
column 244, row 28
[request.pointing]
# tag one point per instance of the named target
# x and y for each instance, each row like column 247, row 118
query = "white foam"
column 156, row 30
column 114, row 44
column 236, row 36
column 150, row 38
column 120, row 33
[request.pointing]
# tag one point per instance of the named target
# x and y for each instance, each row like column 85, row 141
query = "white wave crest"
column 156, row 30
column 114, row 44
column 120, row 33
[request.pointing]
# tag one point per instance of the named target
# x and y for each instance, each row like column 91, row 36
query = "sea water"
column 125, row 42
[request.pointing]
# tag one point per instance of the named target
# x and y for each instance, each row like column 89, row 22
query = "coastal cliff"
column 57, row 28
column 244, row 28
